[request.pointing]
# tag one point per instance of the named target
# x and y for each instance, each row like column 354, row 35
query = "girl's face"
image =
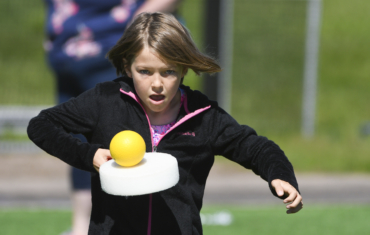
column 156, row 81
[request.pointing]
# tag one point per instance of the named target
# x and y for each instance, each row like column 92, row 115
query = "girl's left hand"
column 294, row 199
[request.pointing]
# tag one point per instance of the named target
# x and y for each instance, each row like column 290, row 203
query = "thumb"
column 278, row 188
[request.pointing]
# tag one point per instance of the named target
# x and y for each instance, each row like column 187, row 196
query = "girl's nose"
column 157, row 83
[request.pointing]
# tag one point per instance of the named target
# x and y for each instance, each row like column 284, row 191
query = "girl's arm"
column 241, row 144
column 51, row 129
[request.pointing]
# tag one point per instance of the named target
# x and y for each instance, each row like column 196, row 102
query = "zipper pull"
column 155, row 148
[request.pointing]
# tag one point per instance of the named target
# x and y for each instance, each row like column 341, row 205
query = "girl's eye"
column 170, row 72
column 144, row 71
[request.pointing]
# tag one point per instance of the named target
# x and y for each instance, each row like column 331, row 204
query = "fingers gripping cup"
column 132, row 171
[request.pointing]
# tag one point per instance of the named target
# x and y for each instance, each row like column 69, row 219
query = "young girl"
column 153, row 56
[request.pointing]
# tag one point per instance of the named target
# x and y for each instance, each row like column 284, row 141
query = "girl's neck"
column 168, row 115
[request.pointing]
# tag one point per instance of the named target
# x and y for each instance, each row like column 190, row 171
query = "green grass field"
column 321, row 220
column 267, row 73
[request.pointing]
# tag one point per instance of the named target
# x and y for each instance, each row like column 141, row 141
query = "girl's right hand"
column 101, row 156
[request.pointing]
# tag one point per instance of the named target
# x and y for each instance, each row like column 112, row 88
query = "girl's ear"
column 127, row 68
column 128, row 72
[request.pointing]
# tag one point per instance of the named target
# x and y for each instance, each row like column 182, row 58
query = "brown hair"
column 168, row 37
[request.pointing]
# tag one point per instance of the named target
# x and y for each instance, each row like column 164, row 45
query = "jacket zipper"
column 155, row 147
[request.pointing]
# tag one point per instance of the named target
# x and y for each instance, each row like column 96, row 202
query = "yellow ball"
column 127, row 148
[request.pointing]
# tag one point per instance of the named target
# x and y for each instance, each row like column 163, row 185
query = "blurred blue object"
column 365, row 129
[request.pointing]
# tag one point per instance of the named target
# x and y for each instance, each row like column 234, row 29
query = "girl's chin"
column 156, row 107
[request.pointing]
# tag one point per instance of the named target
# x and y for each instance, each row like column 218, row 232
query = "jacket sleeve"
column 51, row 129
column 241, row 144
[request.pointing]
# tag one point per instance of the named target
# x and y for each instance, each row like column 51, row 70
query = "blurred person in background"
column 79, row 34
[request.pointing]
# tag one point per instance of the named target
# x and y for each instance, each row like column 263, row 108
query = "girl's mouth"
column 156, row 97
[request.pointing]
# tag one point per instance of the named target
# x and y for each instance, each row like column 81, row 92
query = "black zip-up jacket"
column 203, row 130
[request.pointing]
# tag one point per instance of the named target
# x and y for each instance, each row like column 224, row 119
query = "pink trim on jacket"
column 182, row 120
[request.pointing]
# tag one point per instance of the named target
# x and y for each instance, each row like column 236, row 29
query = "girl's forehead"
column 150, row 55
